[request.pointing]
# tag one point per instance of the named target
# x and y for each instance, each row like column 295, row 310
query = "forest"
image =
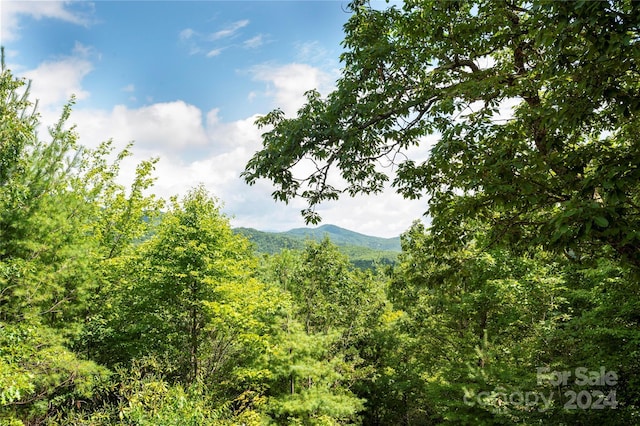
column 516, row 302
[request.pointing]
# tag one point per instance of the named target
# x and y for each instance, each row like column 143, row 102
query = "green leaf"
column 601, row 221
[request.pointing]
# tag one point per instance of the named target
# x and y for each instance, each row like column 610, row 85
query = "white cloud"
column 162, row 128
column 129, row 88
column 10, row 12
column 214, row 52
column 311, row 51
column 174, row 132
column 10, row 53
column 53, row 82
column 287, row 84
column 186, row 34
column 230, row 135
column 383, row 215
column 254, row 42
column 229, row 31
column 194, row 50
column 200, row 43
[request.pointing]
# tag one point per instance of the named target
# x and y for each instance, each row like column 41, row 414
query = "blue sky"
column 186, row 81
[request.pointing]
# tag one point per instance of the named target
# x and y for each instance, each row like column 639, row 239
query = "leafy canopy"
column 559, row 168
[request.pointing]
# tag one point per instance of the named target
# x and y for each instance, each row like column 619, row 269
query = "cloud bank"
column 11, row 10
column 199, row 147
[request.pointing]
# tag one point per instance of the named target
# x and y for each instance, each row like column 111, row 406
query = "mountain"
column 344, row 237
column 364, row 251
column 271, row 242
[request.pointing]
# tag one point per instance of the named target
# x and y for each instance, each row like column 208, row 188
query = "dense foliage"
column 518, row 304
column 560, row 169
column 529, row 111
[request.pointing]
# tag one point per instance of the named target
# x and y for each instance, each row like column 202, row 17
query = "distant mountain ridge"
column 295, row 238
column 364, row 251
column 344, row 237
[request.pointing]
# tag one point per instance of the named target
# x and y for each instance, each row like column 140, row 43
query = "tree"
column 54, row 195
column 188, row 298
column 562, row 168
column 322, row 370
column 469, row 321
column 471, row 327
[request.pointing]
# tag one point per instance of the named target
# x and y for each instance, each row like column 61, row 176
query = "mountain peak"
column 330, row 228
column 341, row 237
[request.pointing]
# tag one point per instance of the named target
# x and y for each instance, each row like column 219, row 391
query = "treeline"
column 111, row 313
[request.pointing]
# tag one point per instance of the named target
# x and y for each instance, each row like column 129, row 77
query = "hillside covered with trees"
column 518, row 304
column 363, row 251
